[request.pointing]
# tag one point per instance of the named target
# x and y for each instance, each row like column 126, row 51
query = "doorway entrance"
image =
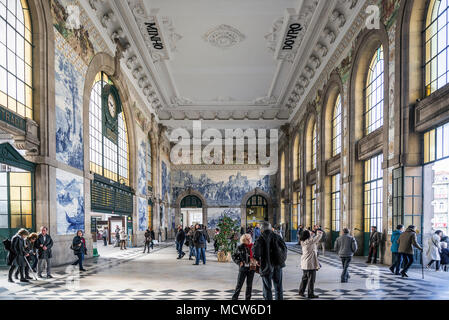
column 16, row 195
column 256, row 210
column 191, row 211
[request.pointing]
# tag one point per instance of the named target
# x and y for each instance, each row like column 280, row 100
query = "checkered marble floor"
column 132, row 275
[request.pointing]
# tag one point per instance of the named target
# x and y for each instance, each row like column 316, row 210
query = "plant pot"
column 222, row 257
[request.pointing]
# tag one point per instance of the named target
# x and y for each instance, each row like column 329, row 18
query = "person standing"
column 217, row 231
column 200, row 239
column 345, row 246
column 270, row 252
column 244, row 258
column 117, row 236
column 105, row 236
column 299, row 233
column 394, row 249
column 309, row 262
column 44, row 244
column 123, row 239
column 374, row 241
column 33, row 251
column 256, row 233
column 17, row 255
column 147, row 241
column 444, row 255
column 407, row 240
column 180, row 238
column 189, row 237
column 79, row 249
column 433, row 252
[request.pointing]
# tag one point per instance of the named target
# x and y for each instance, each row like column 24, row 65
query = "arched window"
column 107, row 157
column 374, row 92
column 149, row 164
column 296, row 159
column 336, row 127
column 436, row 51
column 16, row 93
column 314, row 146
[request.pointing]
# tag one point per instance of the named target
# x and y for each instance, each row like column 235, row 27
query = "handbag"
column 253, row 265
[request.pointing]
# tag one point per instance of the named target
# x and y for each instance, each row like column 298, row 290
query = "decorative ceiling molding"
column 223, row 36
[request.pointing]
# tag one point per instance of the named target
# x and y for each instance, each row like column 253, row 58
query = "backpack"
column 7, row 243
column 278, row 251
column 202, row 238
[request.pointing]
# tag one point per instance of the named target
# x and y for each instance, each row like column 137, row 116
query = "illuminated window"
column 373, row 186
column 282, row 171
column 313, row 210
column 335, row 205
column 150, row 214
column 296, row 213
column 374, row 92
column 149, row 164
column 336, row 127
column 16, row 91
column 314, row 146
column 107, row 158
column 296, row 159
column 436, row 43
column 16, row 200
column 436, row 144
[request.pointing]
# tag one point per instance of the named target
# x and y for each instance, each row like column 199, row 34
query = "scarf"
column 250, row 247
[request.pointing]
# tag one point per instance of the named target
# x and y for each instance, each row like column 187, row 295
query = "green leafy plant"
column 226, row 238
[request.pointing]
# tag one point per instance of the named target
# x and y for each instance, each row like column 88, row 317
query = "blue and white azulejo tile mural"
column 142, row 213
column 69, row 84
column 141, row 167
column 215, row 214
column 165, row 181
column 69, row 202
column 219, row 187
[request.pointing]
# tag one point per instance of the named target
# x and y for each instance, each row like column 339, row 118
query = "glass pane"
column 20, row 179
column 26, row 207
column 14, row 193
column 3, row 221
column 3, row 207
column 15, row 207
column 16, row 221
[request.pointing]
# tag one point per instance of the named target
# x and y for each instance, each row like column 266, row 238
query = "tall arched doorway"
column 191, row 211
column 256, row 210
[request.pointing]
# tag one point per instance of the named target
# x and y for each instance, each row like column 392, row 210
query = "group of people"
column 148, row 242
column 402, row 251
column 32, row 252
column 196, row 238
column 266, row 256
column 120, row 238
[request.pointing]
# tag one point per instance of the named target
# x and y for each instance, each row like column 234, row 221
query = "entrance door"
column 256, row 210
column 16, row 195
column 191, row 211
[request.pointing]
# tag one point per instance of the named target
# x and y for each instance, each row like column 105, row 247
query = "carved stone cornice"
column 432, row 110
column 333, row 165
column 370, row 145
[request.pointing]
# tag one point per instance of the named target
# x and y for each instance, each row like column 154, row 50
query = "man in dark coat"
column 180, row 237
column 374, row 242
column 17, row 255
column 44, row 243
column 269, row 271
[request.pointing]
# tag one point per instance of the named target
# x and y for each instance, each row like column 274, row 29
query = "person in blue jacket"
column 394, row 249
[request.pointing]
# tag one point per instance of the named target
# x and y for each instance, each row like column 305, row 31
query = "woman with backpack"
column 309, row 262
column 244, row 258
column 17, row 255
column 79, row 249
column 200, row 237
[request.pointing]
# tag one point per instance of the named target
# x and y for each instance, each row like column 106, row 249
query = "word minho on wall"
column 155, row 38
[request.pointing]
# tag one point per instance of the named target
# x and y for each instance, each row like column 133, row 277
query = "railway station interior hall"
column 127, row 119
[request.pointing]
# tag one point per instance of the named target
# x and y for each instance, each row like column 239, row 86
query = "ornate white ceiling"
column 224, row 59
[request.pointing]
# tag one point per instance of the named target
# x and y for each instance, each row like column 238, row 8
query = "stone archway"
column 181, row 196
column 248, row 195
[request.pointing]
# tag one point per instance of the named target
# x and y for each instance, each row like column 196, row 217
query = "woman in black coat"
column 243, row 257
column 79, row 249
column 17, row 255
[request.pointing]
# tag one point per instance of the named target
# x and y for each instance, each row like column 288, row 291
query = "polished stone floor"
column 130, row 274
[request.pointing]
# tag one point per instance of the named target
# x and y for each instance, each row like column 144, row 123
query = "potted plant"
column 226, row 238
